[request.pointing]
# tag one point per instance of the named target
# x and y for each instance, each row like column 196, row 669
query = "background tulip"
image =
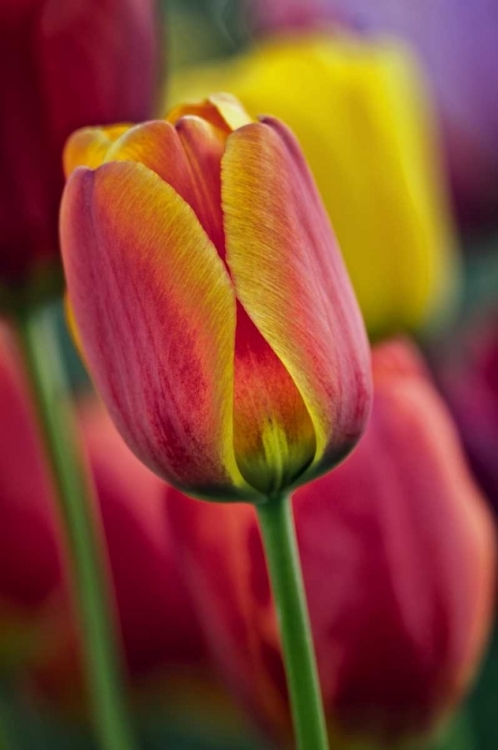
column 456, row 43
column 227, row 383
column 62, row 65
column 159, row 629
column 397, row 549
column 364, row 121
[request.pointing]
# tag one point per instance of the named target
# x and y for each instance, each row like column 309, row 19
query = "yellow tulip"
column 364, row 121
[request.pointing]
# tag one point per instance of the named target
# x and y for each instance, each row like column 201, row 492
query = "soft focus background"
column 395, row 103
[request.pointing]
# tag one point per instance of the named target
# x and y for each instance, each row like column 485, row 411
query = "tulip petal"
column 156, row 145
column 274, row 436
column 204, row 145
column 155, row 310
column 289, row 276
column 88, row 147
column 187, row 157
column 222, row 110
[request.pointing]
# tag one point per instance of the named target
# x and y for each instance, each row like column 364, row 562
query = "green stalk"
column 89, row 575
column 279, row 539
column 6, row 733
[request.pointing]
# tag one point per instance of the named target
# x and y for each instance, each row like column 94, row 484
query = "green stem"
column 279, row 539
column 6, row 733
column 89, row 576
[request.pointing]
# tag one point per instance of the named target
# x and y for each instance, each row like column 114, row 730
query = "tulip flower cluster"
column 267, row 516
column 366, row 529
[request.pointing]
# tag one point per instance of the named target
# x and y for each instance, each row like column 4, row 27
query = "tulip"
column 457, row 45
column 397, row 549
column 467, row 370
column 455, row 41
column 364, row 120
column 62, row 65
column 159, row 630
column 211, row 301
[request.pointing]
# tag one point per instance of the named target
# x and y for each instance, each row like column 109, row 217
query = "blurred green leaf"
column 459, row 735
column 200, row 30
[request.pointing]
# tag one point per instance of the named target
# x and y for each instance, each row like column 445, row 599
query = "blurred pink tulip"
column 397, row 549
column 158, row 625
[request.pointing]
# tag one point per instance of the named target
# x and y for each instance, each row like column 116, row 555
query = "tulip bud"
column 364, row 120
column 211, row 301
column 62, row 65
column 397, row 549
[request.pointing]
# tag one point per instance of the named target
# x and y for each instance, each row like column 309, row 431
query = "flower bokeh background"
column 395, row 105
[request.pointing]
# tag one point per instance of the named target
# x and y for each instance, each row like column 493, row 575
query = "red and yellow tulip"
column 398, row 554
column 211, row 300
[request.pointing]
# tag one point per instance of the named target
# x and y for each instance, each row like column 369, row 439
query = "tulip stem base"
column 282, row 555
column 84, row 543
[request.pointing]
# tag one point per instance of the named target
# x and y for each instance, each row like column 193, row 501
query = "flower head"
column 211, row 300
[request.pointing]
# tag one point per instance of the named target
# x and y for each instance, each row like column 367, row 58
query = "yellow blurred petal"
column 365, row 122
